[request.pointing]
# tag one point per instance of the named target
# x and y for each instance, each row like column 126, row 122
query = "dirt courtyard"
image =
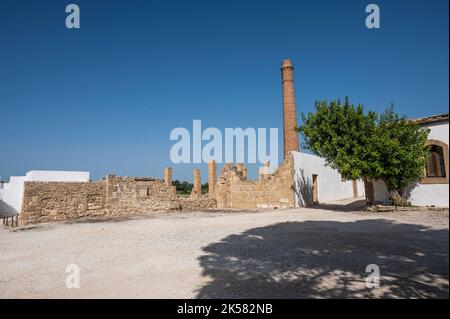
column 296, row 253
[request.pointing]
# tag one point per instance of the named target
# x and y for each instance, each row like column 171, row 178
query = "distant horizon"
column 104, row 98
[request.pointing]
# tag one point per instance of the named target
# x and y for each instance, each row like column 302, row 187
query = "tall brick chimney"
column 290, row 135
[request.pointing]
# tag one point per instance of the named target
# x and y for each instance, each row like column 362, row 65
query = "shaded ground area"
column 327, row 259
column 348, row 205
column 298, row 253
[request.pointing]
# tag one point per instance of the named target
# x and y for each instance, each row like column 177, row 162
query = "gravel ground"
column 297, row 253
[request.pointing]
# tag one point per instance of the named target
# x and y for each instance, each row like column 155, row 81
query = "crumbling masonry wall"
column 111, row 197
column 56, row 201
column 116, row 196
column 270, row 191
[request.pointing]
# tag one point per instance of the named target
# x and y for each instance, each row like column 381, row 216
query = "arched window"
column 435, row 162
column 436, row 170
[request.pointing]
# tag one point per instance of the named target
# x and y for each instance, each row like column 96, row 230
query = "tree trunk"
column 397, row 197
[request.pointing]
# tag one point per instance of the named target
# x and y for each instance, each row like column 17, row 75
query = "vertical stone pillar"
column 197, row 189
column 110, row 189
column 290, row 135
column 212, row 178
column 264, row 171
column 168, row 176
column 240, row 168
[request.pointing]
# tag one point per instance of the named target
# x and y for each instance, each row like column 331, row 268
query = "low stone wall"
column 390, row 208
column 270, row 191
column 111, row 197
column 56, row 201
column 116, row 196
column 202, row 203
column 138, row 196
column 130, row 196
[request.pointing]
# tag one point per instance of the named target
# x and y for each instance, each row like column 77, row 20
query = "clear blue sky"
column 104, row 98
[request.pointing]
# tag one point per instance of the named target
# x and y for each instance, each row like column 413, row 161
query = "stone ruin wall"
column 270, row 191
column 116, row 196
column 111, row 197
column 139, row 196
column 56, row 201
column 136, row 196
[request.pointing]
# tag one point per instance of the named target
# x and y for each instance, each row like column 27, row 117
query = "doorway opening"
column 315, row 189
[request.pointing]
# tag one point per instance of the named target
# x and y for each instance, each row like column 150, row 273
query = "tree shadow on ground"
column 328, row 259
column 356, row 205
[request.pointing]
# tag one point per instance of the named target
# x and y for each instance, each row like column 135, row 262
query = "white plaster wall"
column 438, row 131
column 422, row 194
column 12, row 193
column 330, row 185
column 380, row 193
column 57, row 176
column 430, row 195
column 361, row 189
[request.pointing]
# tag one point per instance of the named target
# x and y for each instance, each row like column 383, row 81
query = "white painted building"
column 11, row 193
column 317, row 183
column 433, row 189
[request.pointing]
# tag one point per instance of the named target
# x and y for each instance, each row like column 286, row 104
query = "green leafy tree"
column 185, row 188
column 400, row 153
column 368, row 146
column 340, row 133
column 205, row 188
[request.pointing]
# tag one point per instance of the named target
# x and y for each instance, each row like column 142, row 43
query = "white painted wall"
column 438, row 131
column 12, row 193
column 330, row 185
column 57, row 176
column 422, row 194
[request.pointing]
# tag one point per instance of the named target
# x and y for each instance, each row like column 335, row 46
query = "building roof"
column 432, row 119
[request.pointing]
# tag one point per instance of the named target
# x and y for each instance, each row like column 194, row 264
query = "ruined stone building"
column 301, row 180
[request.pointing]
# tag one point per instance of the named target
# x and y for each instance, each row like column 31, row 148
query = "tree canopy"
column 367, row 145
column 185, row 188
